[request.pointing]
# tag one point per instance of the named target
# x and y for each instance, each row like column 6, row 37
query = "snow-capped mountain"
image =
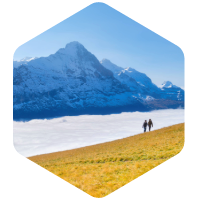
column 168, row 84
column 139, row 77
column 68, row 82
column 170, row 91
column 22, row 61
column 72, row 81
column 140, row 83
column 120, row 74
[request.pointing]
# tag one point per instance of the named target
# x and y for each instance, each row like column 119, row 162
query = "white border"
column 177, row 21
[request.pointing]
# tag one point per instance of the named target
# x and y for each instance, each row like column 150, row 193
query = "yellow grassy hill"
column 103, row 168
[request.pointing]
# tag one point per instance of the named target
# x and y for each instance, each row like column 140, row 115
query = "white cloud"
column 45, row 136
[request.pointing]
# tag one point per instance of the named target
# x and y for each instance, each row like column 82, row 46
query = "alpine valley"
column 73, row 81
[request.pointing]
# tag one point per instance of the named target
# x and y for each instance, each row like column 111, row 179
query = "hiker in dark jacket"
column 145, row 125
column 150, row 123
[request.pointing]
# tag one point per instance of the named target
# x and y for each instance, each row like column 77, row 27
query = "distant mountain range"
column 72, row 81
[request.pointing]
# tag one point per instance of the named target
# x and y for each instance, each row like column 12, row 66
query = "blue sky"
column 109, row 34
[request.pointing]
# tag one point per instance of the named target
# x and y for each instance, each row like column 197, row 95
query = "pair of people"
column 150, row 124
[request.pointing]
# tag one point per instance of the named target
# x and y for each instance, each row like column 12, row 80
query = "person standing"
column 144, row 125
column 150, row 123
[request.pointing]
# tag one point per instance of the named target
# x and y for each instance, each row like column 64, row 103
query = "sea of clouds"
column 51, row 135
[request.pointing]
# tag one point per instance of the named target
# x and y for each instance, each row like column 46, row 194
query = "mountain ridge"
column 73, row 81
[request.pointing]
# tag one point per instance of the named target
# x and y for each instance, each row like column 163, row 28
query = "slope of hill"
column 101, row 169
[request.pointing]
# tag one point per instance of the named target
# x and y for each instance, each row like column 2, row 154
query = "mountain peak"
column 74, row 44
column 71, row 49
column 27, row 59
column 105, row 60
column 168, row 84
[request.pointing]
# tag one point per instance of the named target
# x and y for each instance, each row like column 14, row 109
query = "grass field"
column 103, row 168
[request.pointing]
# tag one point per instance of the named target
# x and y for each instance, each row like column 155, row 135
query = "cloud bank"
column 45, row 136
